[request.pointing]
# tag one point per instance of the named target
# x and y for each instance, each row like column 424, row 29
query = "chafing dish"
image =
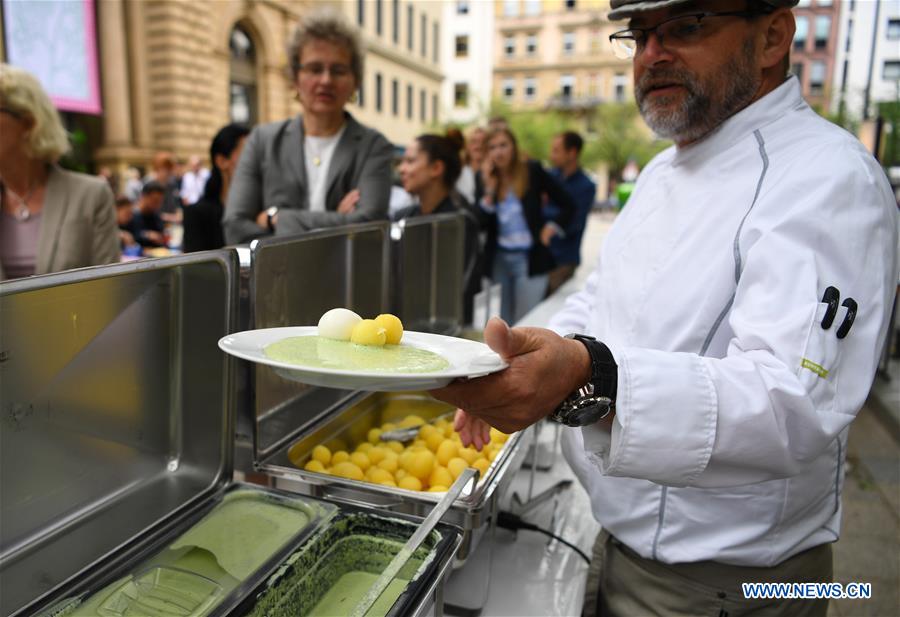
column 117, row 447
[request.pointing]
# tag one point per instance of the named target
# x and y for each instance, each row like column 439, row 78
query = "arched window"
column 242, row 86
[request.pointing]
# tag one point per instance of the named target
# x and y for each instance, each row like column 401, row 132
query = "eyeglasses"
column 677, row 32
column 318, row 69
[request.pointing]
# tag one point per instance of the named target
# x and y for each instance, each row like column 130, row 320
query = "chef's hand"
column 348, row 203
column 544, row 368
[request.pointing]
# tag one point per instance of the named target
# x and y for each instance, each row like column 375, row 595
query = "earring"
column 354, row 97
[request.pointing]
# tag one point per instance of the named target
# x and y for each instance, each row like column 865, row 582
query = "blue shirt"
column 567, row 250
column 512, row 227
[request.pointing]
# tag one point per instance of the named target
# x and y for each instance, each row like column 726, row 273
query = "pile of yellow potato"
column 430, row 463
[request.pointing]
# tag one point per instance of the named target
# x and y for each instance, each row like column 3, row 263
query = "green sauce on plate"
column 318, row 352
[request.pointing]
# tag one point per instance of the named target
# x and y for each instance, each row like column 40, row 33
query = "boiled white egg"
column 338, row 324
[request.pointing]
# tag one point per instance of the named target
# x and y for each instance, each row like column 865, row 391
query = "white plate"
column 467, row 359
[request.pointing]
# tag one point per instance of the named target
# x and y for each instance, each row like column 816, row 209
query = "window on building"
column 531, row 44
column 532, row 7
column 594, row 84
column 797, row 69
column 570, row 5
column 423, row 108
column 849, row 31
column 893, row 29
column 530, row 88
column 395, row 20
column 360, row 12
column 424, row 41
column 890, row 71
column 435, row 43
column 816, row 78
column 242, row 86
column 620, row 81
column 596, row 40
column 378, row 99
column 395, row 97
column 410, row 26
column 462, row 7
column 379, row 27
column 460, row 94
column 409, row 101
column 434, row 108
column 511, row 8
column 567, row 86
column 509, row 46
column 823, row 31
column 568, row 43
column 509, row 89
column 462, row 46
column 801, row 33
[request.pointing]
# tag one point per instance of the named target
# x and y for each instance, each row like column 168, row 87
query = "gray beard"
column 707, row 104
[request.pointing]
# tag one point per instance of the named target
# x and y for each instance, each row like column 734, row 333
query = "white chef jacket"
column 729, row 437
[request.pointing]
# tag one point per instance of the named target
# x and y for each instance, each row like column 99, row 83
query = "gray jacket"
column 272, row 172
column 78, row 223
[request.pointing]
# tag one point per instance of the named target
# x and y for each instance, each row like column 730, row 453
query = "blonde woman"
column 51, row 219
column 321, row 168
column 512, row 192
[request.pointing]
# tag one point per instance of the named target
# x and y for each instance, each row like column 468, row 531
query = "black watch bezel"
column 596, row 399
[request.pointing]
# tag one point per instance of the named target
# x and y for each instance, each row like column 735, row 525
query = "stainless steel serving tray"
column 470, row 513
column 116, row 414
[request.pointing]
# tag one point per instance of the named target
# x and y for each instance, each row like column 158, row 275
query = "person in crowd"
column 124, row 216
column 147, row 225
column 474, row 156
column 203, row 220
column 133, row 184
column 110, row 177
column 429, row 170
column 518, row 234
column 164, row 172
column 565, row 151
column 321, row 168
column 52, row 219
column 729, row 333
column 193, row 181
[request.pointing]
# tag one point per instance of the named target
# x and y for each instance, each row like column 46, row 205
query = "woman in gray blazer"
column 321, row 168
column 51, row 219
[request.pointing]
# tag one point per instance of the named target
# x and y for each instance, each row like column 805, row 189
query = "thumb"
column 506, row 341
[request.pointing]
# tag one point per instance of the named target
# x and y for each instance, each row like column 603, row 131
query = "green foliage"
column 890, row 113
column 614, row 135
column 620, row 135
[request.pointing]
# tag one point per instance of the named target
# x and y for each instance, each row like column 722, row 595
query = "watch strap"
column 604, row 370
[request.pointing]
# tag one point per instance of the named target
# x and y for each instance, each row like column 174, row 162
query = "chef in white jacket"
column 738, row 307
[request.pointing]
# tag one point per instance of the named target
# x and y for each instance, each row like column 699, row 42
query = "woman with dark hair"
column 429, row 171
column 511, row 193
column 203, row 220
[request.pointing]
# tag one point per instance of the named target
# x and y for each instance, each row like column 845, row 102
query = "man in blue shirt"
column 564, row 153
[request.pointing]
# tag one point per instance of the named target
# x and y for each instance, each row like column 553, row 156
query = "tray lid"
column 116, row 411
column 292, row 281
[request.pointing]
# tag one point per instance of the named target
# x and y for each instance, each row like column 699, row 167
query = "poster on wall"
column 56, row 41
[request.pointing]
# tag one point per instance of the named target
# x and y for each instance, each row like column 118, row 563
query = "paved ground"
column 869, row 548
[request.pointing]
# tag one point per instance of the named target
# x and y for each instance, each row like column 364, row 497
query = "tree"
column 620, row 136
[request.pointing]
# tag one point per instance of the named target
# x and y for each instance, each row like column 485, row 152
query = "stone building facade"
column 173, row 72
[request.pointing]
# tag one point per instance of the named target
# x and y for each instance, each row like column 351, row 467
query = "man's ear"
column 778, row 37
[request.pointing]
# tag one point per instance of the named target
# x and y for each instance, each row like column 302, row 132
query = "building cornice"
column 586, row 63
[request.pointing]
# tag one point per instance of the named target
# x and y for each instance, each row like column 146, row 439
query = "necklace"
column 314, row 154
column 22, row 211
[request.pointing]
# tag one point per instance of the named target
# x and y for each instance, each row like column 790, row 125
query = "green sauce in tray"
column 319, row 352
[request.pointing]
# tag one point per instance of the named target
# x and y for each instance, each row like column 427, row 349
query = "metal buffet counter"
column 124, row 427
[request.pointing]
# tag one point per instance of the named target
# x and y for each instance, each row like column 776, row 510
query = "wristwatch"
column 270, row 214
column 594, row 400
